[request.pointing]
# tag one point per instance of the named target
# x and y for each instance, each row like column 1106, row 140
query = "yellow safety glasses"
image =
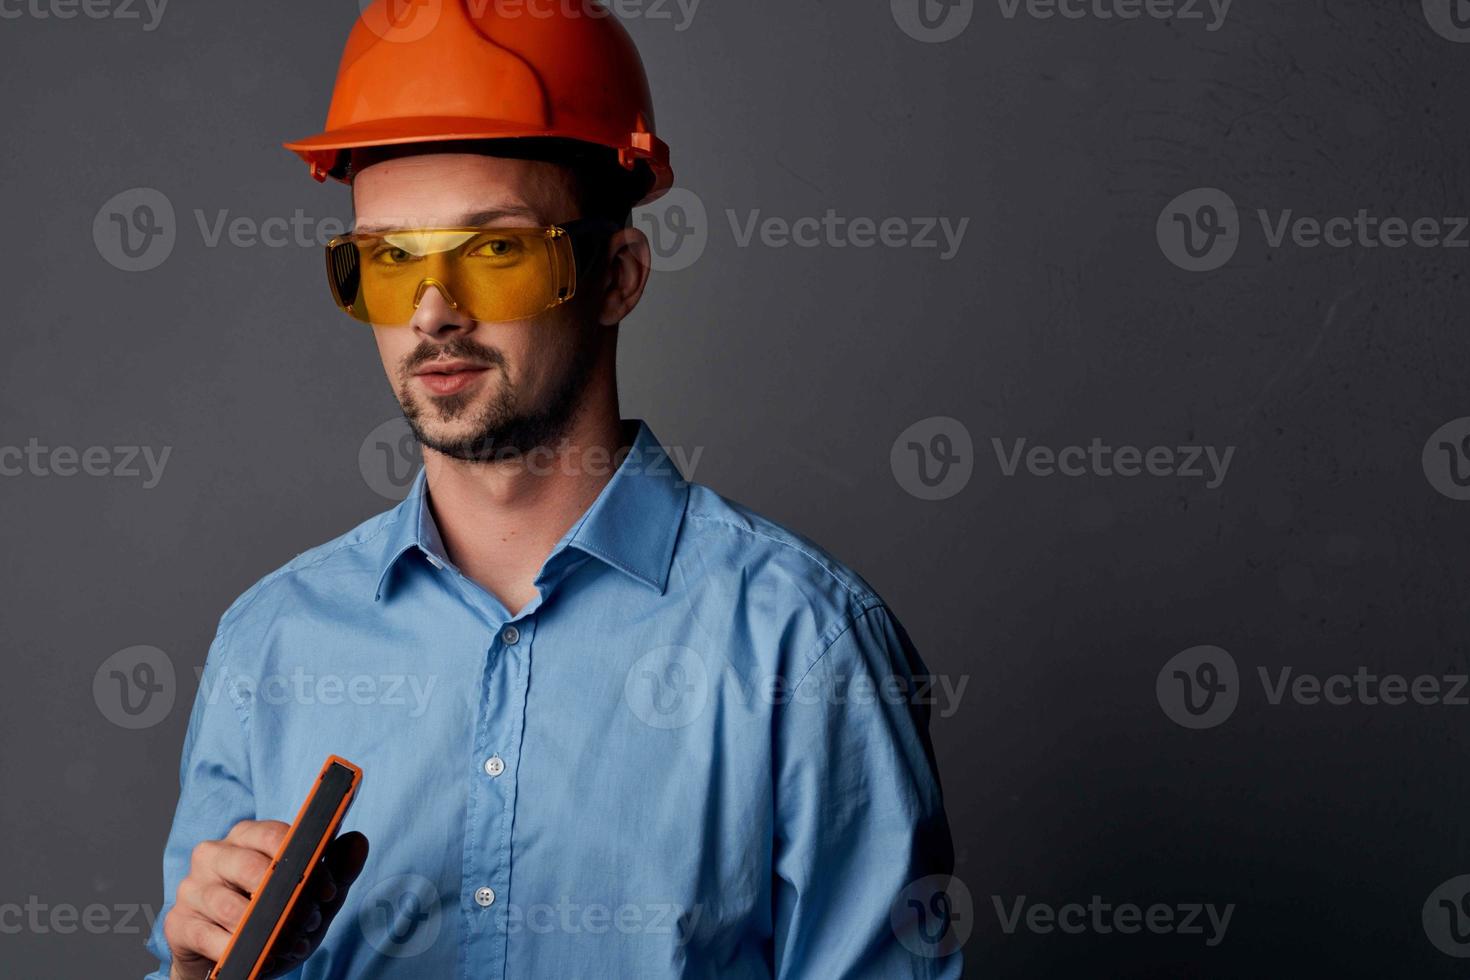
column 488, row 274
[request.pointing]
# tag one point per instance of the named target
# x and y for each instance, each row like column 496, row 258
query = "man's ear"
column 629, row 260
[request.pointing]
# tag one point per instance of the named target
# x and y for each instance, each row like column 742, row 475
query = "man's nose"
column 436, row 313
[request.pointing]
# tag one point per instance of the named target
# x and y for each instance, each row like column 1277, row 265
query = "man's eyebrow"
column 474, row 219
column 495, row 214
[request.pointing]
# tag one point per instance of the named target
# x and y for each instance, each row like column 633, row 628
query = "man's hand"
column 224, row 874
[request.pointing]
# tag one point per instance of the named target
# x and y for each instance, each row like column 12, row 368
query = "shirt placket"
column 494, row 776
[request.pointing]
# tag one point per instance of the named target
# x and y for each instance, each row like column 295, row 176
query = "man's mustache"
column 455, row 350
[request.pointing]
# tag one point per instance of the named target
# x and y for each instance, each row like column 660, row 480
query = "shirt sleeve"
column 860, row 826
column 214, row 784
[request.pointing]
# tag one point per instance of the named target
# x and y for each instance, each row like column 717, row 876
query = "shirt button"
column 511, row 636
column 494, row 765
column 485, row 897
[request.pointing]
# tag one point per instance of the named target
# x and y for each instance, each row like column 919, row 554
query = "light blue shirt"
column 695, row 754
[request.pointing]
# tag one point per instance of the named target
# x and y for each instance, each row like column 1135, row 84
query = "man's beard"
column 506, row 429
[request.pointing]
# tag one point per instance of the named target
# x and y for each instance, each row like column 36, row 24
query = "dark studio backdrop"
column 1120, row 344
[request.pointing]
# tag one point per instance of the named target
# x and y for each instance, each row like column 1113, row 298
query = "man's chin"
column 457, row 441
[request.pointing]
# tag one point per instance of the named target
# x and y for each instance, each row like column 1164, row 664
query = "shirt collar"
column 631, row 526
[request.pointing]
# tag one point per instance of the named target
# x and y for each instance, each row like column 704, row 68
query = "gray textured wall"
column 1069, row 311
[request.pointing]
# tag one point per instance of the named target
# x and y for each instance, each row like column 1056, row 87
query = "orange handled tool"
column 317, row 823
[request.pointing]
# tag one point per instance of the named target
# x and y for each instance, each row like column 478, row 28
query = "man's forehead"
column 518, row 215
column 457, row 189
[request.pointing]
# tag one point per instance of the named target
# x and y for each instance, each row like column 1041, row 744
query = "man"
column 611, row 724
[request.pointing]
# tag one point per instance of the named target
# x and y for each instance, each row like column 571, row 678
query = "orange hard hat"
column 426, row 71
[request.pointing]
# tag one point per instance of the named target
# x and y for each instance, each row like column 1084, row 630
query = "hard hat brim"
column 322, row 152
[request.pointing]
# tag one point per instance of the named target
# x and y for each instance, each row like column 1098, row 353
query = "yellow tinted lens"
column 491, row 275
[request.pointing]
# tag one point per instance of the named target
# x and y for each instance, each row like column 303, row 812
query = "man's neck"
column 500, row 521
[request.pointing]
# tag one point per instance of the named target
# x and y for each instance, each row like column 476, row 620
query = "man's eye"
column 495, row 248
column 391, row 255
